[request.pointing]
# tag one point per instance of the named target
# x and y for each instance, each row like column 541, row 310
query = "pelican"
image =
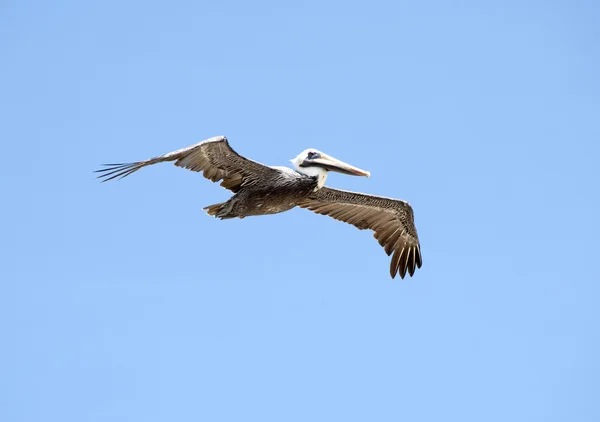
column 259, row 190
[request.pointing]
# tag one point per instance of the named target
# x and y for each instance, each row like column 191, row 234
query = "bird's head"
column 315, row 163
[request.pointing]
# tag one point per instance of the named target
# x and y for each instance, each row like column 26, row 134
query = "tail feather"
column 214, row 209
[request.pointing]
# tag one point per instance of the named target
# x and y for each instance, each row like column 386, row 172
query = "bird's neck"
column 317, row 172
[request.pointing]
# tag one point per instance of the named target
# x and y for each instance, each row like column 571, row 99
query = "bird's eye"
column 312, row 155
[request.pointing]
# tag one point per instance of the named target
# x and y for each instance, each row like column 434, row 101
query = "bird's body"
column 277, row 192
column 260, row 190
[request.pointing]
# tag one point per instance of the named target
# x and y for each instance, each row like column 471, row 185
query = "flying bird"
column 259, row 190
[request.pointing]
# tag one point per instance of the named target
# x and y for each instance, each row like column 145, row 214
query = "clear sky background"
column 125, row 302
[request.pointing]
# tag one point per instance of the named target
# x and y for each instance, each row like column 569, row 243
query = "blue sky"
column 124, row 301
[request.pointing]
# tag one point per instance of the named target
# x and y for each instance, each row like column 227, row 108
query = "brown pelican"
column 259, row 189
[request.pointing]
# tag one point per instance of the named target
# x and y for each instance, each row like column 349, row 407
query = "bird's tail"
column 214, row 209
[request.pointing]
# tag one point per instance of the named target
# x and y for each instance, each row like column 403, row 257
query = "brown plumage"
column 259, row 190
column 392, row 221
column 213, row 157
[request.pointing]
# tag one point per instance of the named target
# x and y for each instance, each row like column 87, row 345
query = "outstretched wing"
column 213, row 157
column 392, row 221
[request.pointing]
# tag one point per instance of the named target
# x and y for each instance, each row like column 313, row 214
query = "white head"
column 315, row 163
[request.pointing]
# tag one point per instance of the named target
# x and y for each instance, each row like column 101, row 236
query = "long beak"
column 332, row 164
